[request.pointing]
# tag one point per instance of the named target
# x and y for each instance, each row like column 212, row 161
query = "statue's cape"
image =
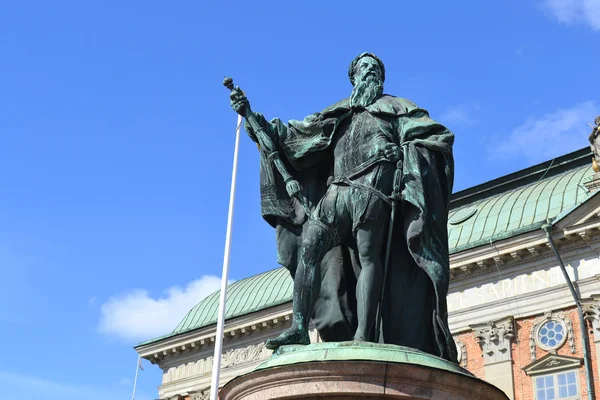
column 427, row 180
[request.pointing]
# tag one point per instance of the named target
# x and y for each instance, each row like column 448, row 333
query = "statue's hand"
column 293, row 188
column 239, row 102
column 391, row 151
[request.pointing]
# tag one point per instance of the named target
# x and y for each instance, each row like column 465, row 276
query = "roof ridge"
column 523, row 177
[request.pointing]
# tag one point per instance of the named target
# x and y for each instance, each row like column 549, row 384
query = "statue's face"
column 597, row 121
column 368, row 82
column 368, row 65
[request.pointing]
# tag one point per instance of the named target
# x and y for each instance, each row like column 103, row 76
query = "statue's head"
column 361, row 62
column 597, row 121
column 367, row 74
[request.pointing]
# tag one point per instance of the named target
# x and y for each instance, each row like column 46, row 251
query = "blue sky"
column 116, row 142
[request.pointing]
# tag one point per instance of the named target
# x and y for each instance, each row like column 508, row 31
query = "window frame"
column 554, row 376
column 559, row 344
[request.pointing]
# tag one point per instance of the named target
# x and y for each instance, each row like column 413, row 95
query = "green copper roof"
column 243, row 297
column 506, row 214
column 498, row 209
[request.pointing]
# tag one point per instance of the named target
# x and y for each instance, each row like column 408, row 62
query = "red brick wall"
column 474, row 355
column 523, row 384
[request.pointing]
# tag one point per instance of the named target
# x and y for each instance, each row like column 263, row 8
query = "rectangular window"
column 561, row 386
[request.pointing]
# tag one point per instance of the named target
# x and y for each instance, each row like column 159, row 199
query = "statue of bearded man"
column 595, row 145
column 346, row 159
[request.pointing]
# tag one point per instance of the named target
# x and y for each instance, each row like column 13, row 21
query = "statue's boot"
column 291, row 335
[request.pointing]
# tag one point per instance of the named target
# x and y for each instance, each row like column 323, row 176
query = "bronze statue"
column 358, row 194
column 595, row 144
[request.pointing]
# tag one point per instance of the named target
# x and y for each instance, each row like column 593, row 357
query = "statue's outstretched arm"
column 264, row 136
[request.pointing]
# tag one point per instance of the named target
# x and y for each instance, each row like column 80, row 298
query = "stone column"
column 495, row 338
column 591, row 312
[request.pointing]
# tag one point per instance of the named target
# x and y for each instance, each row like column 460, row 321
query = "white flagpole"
column 137, row 369
column 216, row 370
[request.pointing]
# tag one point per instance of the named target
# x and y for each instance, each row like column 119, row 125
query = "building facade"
column 511, row 313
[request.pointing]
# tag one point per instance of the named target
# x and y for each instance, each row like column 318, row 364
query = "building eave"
column 157, row 352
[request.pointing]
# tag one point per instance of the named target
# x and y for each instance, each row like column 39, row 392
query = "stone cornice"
column 203, row 339
column 522, row 249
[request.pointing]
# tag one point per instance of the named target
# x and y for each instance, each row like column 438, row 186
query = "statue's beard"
column 366, row 90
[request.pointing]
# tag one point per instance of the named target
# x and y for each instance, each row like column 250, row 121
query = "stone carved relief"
column 203, row 395
column 591, row 312
column 230, row 358
column 548, row 316
column 186, row 370
column 495, row 339
column 462, row 353
column 245, row 354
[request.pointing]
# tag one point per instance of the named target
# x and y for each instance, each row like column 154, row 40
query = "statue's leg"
column 370, row 238
column 319, row 238
column 307, row 285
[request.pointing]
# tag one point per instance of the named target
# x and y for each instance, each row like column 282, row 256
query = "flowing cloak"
column 414, row 311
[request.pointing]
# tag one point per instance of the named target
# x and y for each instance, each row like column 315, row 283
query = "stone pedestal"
column 353, row 370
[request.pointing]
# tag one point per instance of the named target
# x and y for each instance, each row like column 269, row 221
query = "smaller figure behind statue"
column 595, row 145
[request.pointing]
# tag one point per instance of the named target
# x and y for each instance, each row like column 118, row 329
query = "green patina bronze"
column 503, row 208
column 340, row 187
column 358, row 351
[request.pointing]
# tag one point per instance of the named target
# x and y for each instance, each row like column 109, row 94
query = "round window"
column 551, row 335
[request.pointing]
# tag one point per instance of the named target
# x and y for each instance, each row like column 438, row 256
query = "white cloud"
column 459, row 115
column 575, row 11
column 541, row 138
column 136, row 315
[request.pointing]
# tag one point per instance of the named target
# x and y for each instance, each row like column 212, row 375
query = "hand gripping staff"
column 267, row 147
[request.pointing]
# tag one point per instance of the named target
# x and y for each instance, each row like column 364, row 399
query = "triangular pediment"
column 586, row 212
column 552, row 363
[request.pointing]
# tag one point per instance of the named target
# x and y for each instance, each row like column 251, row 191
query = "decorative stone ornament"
column 204, row 395
column 591, row 310
column 595, row 144
column 551, row 363
column 551, row 335
column 495, row 339
column 461, row 350
column 550, row 332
